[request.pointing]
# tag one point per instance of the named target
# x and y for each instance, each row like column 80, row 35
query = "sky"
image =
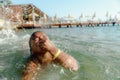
column 75, row 8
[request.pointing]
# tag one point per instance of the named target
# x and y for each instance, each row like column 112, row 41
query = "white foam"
column 7, row 33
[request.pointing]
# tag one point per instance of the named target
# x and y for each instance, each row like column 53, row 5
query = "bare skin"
column 42, row 53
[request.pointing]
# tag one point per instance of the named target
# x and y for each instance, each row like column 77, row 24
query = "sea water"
column 97, row 50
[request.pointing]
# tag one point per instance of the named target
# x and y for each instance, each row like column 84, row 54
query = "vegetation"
column 5, row 2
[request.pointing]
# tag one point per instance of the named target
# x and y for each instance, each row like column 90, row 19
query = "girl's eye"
column 33, row 38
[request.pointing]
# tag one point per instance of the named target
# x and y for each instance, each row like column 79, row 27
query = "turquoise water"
column 97, row 50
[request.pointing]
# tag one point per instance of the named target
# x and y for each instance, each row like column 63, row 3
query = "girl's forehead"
column 38, row 34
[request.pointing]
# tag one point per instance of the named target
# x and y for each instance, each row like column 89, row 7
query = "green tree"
column 5, row 2
column 8, row 2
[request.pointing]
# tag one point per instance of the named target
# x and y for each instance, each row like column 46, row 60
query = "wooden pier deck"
column 59, row 25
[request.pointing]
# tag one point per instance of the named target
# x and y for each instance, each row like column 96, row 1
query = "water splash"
column 7, row 34
column 8, row 37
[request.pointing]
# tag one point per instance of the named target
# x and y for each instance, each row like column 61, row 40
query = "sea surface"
column 97, row 50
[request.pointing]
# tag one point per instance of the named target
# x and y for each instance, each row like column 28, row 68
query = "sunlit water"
column 97, row 51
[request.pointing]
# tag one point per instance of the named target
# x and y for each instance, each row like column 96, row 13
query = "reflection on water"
column 96, row 50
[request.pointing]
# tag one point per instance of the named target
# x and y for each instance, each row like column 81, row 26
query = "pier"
column 68, row 25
